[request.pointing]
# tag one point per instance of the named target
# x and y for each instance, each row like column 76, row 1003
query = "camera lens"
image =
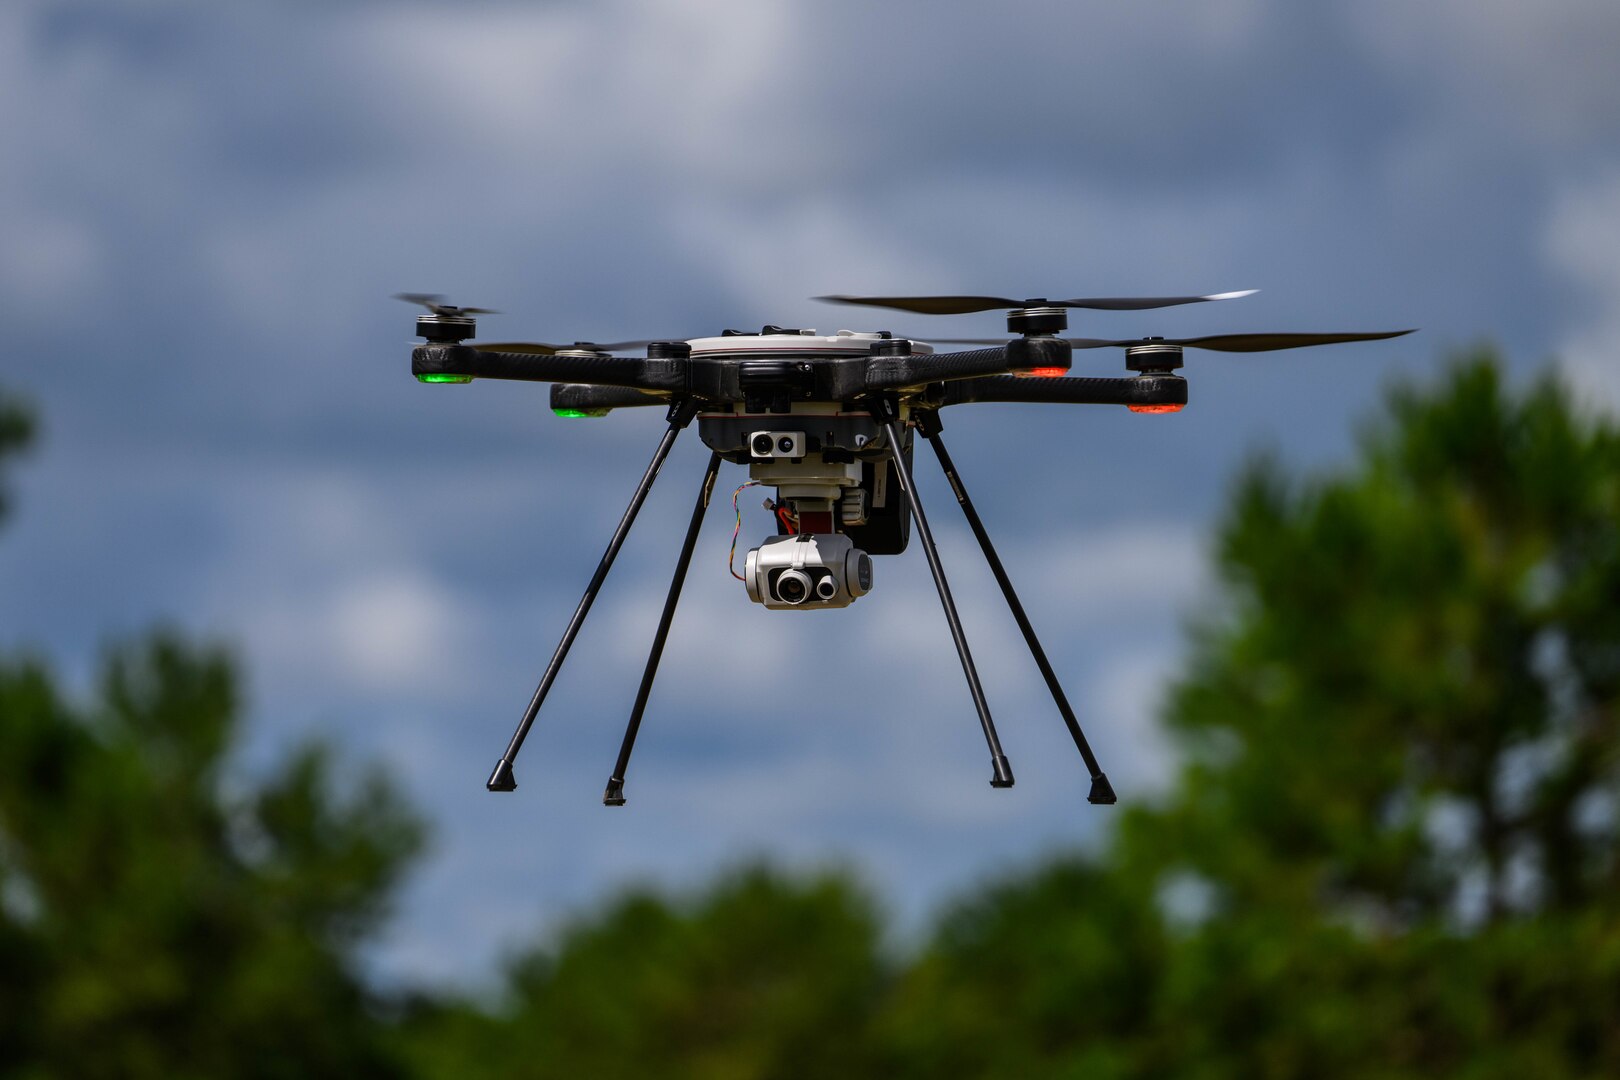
column 762, row 444
column 827, row 588
column 785, row 444
column 792, row 587
column 857, row 572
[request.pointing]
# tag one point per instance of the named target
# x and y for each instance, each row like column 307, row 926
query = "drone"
column 828, row 421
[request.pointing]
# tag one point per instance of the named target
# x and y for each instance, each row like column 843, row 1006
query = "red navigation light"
column 1155, row 408
column 1048, row 372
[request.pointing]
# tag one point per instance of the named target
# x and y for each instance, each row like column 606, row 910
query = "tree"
column 153, row 925
column 761, row 975
column 1408, row 708
column 1394, row 847
column 162, row 915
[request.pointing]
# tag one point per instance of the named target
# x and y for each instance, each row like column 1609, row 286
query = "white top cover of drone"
column 805, row 343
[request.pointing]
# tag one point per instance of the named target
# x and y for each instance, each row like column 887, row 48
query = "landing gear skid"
column 502, row 779
column 1102, row 791
column 884, row 410
column 614, row 795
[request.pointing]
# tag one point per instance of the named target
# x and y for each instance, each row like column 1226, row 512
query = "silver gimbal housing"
column 813, row 565
column 820, row 570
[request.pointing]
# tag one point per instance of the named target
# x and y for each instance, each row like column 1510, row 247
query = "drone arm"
column 639, row 373
column 1140, row 390
column 893, row 372
column 595, row 400
column 1019, row 354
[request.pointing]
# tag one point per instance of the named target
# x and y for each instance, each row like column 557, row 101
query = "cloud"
column 1539, row 76
column 392, row 631
column 210, row 206
column 1583, row 244
column 48, row 263
column 1129, row 696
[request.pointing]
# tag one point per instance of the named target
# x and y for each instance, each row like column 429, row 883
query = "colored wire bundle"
column 731, row 559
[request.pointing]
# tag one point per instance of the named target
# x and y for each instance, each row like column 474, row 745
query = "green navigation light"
column 577, row 414
column 444, row 378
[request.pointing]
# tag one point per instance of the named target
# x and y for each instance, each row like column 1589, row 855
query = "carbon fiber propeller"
column 543, row 348
column 1214, row 342
column 963, row 305
column 431, row 302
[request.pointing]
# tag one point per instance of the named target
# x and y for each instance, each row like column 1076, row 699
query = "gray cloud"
column 209, row 206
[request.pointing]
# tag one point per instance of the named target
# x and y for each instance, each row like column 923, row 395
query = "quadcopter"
column 828, row 421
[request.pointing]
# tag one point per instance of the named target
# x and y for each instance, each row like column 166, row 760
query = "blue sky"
column 208, row 206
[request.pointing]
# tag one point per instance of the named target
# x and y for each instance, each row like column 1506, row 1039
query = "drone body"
column 828, row 422
column 835, row 494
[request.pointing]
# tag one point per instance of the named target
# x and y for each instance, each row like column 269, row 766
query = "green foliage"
column 153, row 925
column 1061, row 964
column 1408, row 708
column 760, row 976
column 1397, row 820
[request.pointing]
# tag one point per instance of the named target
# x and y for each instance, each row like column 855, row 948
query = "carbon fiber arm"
column 1139, row 390
column 593, row 398
column 1019, row 354
column 638, row 373
column 893, row 372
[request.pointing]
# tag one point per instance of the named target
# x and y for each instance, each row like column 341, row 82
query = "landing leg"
column 1101, row 790
column 680, row 415
column 883, row 410
column 614, row 795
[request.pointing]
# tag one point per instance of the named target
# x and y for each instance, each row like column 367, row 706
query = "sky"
column 208, row 207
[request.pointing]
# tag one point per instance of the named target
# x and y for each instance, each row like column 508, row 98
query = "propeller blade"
column 541, row 348
column 929, row 305
column 1213, row 342
column 431, row 302
column 1266, row 342
column 1141, row 303
column 963, row 305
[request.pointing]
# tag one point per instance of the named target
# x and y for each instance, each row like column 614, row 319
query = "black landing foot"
column 502, row 779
